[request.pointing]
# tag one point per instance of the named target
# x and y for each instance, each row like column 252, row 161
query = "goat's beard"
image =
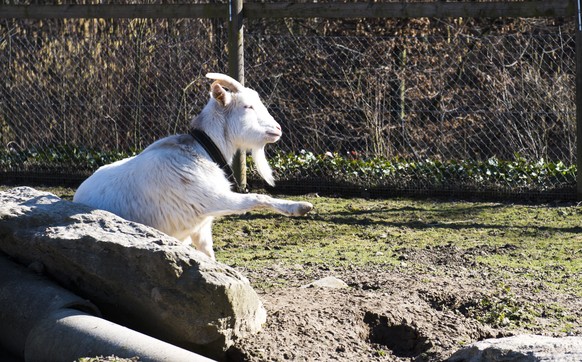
column 262, row 165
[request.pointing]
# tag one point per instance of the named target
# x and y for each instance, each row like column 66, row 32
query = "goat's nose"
column 275, row 125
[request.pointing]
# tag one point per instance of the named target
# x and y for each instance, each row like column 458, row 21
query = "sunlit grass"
column 538, row 242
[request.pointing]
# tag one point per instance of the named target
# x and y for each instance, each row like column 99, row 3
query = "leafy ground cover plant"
column 517, row 176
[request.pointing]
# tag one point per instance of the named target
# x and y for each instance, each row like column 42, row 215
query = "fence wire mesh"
column 429, row 113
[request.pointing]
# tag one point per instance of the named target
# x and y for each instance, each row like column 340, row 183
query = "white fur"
column 175, row 187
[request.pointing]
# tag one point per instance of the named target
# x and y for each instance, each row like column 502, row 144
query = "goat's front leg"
column 234, row 203
column 202, row 238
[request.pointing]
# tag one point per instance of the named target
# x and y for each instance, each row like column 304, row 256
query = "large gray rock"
column 522, row 348
column 136, row 275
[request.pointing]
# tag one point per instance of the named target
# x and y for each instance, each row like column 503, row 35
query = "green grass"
column 541, row 243
column 537, row 242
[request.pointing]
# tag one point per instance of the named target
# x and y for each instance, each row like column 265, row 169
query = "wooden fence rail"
column 435, row 9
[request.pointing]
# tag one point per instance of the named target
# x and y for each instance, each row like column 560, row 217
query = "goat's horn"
column 226, row 81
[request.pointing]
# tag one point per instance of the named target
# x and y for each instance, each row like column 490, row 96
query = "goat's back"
column 167, row 186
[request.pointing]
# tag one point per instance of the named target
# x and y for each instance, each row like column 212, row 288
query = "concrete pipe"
column 41, row 321
column 25, row 299
column 67, row 335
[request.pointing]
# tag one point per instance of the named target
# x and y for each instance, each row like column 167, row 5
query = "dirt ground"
column 389, row 313
column 398, row 314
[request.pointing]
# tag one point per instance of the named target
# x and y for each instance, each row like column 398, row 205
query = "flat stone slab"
column 327, row 282
column 522, row 348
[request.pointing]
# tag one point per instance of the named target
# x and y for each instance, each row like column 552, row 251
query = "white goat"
column 178, row 184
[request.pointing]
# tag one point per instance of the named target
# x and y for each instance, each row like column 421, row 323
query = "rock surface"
column 136, row 275
column 327, row 282
column 522, row 348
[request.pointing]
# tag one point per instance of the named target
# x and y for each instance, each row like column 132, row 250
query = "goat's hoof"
column 303, row 208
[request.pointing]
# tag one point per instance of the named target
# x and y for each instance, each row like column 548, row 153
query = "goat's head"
column 248, row 124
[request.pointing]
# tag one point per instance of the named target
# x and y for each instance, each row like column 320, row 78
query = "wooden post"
column 579, row 101
column 236, row 70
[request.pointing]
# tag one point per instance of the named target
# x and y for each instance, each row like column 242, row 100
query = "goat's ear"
column 220, row 94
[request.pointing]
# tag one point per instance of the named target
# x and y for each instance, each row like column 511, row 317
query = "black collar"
column 215, row 154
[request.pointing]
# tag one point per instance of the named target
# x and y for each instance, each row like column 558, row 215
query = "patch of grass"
column 503, row 309
column 541, row 243
column 339, row 232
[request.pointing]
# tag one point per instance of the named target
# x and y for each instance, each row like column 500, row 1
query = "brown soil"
column 396, row 313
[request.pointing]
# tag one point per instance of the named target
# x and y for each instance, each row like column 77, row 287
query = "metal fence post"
column 579, row 102
column 236, row 70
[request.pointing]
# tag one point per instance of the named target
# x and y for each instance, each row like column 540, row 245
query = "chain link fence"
column 77, row 94
column 448, row 111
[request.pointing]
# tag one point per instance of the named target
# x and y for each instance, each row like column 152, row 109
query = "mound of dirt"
column 321, row 324
column 400, row 319
column 386, row 314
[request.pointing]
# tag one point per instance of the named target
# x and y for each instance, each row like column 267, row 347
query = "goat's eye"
column 249, row 107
